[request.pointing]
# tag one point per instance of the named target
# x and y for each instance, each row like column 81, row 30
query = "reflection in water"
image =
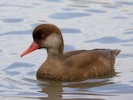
column 57, row 90
column 60, row 90
column 53, row 89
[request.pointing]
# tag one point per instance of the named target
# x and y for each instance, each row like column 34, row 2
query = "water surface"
column 85, row 24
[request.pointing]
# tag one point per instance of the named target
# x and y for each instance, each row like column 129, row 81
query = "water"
column 86, row 24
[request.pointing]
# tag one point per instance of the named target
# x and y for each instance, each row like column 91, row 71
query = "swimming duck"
column 72, row 65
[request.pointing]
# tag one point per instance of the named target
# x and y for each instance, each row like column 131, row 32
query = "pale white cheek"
column 52, row 41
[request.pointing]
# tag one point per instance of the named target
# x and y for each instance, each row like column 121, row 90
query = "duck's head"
column 45, row 36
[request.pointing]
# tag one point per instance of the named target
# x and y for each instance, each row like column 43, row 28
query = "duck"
column 71, row 65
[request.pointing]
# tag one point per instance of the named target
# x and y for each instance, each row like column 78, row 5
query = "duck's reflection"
column 62, row 90
column 54, row 90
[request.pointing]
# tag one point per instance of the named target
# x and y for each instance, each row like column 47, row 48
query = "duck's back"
column 91, row 63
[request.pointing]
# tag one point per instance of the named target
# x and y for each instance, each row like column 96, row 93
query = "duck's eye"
column 44, row 34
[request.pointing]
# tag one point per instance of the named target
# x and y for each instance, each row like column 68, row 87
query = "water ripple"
column 128, row 32
column 96, row 11
column 13, row 20
column 117, row 88
column 18, row 80
column 125, row 55
column 68, row 9
column 119, row 17
column 15, row 68
column 109, row 40
column 19, row 65
column 68, row 48
column 1, row 50
column 15, row 5
column 126, row 3
column 17, row 33
column 111, row 6
column 68, row 15
column 54, row 0
column 70, row 30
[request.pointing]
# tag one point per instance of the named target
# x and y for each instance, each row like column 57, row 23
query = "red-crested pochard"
column 69, row 66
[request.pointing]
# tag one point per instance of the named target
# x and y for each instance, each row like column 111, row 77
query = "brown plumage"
column 69, row 66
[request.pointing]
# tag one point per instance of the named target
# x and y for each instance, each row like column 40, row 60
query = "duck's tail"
column 116, row 52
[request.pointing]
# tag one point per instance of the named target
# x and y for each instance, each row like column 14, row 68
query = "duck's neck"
column 56, row 53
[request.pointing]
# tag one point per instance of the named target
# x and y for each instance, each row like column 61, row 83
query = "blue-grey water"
column 85, row 24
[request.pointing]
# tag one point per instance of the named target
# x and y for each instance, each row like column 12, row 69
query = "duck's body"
column 73, row 65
